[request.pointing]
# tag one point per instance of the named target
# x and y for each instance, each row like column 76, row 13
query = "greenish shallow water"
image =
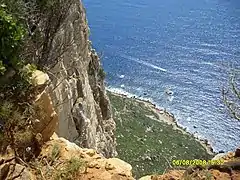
column 152, row 151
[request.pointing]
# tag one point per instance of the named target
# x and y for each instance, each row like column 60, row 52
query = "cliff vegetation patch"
column 148, row 143
column 16, row 110
column 28, row 41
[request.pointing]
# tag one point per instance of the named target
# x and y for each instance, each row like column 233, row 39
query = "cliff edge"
column 61, row 159
column 77, row 88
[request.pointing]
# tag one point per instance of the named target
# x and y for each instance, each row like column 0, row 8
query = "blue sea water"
column 184, row 45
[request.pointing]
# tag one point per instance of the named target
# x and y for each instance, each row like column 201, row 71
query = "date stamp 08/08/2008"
column 182, row 162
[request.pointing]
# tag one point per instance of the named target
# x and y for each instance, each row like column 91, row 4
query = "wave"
column 132, row 5
column 131, row 95
column 137, row 60
column 209, row 45
column 120, row 91
column 121, row 76
column 207, row 63
column 207, row 51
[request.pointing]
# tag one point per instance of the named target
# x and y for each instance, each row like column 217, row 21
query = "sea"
column 175, row 53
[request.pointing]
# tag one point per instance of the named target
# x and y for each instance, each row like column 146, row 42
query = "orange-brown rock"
column 171, row 175
column 56, row 161
column 94, row 166
column 235, row 175
column 217, row 175
column 47, row 119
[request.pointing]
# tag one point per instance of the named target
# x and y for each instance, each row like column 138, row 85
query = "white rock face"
column 78, row 91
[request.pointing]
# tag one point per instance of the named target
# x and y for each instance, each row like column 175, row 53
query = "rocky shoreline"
column 166, row 117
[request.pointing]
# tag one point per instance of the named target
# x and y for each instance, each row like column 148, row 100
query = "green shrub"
column 13, row 77
column 70, row 170
column 55, row 152
column 12, row 34
column 17, row 130
column 5, row 111
column 2, row 68
column 102, row 73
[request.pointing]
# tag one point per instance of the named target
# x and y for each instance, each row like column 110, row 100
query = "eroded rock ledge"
column 61, row 159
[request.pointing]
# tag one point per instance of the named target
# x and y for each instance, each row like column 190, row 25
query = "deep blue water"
column 186, row 45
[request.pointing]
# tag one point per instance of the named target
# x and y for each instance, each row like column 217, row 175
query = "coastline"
column 163, row 116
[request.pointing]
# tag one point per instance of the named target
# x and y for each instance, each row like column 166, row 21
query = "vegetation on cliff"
column 16, row 87
column 53, row 37
column 27, row 32
column 148, row 143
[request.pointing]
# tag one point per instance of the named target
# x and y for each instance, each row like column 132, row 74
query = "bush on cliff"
column 29, row 34
column 102, row 73
column 15, row 85
column 12, row 34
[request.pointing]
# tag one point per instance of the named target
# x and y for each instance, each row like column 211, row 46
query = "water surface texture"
column 184, row 46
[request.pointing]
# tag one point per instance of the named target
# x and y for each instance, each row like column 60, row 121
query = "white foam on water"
column 120, row 91
column 208, row 45
column 207, row 63
column 144, row 63
column 130, row 95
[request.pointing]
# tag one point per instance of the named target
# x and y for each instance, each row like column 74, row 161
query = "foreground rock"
column 61, row 159
column 45, row 156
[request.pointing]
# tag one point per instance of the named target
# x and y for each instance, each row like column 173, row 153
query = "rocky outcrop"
column 43, row 157
column 77, row 88
column 95, row 166
column 61, row 159
column 47, row 119
column 171, row 175
column 9, row 169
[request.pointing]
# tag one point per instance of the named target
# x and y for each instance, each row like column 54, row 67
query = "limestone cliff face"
column 77, row 88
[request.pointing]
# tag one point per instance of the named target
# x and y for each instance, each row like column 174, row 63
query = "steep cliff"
column 79, row 110
column 77, row 88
